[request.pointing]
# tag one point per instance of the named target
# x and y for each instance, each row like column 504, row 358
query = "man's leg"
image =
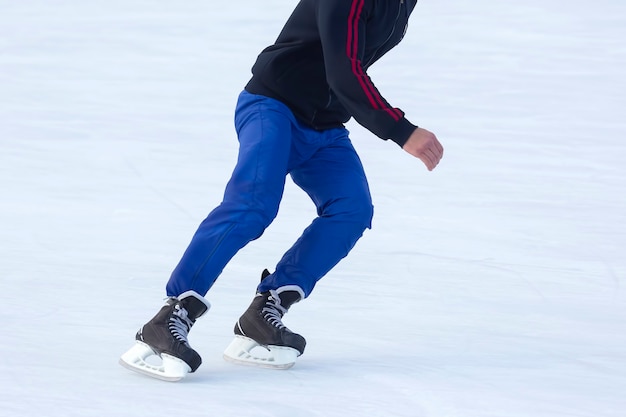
column 333, row 177
column 335, row 180
column 251, row 198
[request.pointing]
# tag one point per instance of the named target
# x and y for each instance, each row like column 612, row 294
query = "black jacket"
column 318, row 64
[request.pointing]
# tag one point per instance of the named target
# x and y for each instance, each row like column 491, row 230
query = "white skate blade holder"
column 141, row 358
column 245, row 351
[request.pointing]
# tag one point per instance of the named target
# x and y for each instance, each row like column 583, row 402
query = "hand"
column 424, row 145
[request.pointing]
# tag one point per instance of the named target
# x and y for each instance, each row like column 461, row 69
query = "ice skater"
column 290, row 121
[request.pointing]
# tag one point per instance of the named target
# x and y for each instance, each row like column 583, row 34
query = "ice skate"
column 261, row 338
column 161, row 348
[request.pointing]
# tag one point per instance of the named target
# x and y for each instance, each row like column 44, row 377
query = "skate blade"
column 169, row 368
column 245, row 351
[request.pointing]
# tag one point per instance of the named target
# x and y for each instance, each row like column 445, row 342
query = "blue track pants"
column 323, row 163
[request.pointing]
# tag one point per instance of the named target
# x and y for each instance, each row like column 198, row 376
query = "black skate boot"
column 261, row 326
column 262, row 320
column 166, row 336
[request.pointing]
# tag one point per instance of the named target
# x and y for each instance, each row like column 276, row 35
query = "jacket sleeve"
column 342, row 27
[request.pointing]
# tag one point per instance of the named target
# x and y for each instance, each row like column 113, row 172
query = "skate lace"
column 273, row 312
column 180, row 324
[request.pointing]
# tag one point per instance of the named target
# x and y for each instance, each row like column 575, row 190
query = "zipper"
column 393, row 30
column 328, row 103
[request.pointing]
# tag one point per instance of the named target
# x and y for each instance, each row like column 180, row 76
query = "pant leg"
column 335, row 180
column 251, row 198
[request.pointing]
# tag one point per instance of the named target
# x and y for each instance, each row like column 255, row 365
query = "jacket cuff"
column 401, row 131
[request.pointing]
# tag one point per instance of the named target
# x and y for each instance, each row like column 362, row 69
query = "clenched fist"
column 424, row 145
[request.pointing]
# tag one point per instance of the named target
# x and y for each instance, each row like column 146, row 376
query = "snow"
column 493, row 286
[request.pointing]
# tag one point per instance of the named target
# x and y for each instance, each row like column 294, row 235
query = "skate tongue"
column 265, row 274
column 195, row 304
column 288, row 295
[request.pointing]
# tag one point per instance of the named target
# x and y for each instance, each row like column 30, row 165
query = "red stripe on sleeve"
column 352, row 43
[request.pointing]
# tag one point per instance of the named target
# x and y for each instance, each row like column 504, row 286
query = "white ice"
column 493, row 286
